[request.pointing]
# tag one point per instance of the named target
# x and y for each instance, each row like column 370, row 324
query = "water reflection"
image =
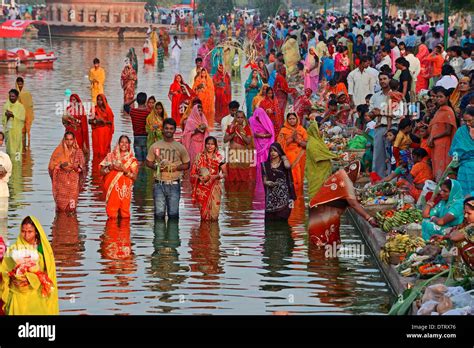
column 205, row 250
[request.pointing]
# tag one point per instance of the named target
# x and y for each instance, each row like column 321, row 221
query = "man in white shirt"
column 385, row 59
column 415, row 66
column 395, row 53
column 176, row 47
column 360, row 82
column 227, row 120
column 5, row 173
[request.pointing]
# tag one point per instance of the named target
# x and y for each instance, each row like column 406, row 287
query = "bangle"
column 369, row 218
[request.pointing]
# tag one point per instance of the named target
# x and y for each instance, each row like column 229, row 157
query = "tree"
column 436, row 6
column 212, row 9
column 268, row 8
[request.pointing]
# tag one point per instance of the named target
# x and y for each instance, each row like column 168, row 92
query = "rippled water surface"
column 236, row 266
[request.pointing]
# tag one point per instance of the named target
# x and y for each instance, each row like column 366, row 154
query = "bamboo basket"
column 396, row 258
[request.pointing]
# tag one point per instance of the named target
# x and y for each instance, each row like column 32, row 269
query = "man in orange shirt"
column 437, row 62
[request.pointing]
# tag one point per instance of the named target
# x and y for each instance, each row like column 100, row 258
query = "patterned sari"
column 204, row 88
column 154, row 125
column 66, row 183
column 207, row 194
column 241, row 166
column 128, row 81
column 179, row 94
column 223, row 91
column 194, row 142
column 118, row 187
column 76, row 123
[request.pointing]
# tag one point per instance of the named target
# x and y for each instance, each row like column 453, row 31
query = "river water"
column 235, row 266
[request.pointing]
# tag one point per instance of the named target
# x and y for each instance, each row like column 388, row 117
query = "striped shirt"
column 138, row 117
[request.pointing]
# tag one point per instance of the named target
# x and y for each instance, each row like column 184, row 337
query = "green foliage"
column 212, row 9
column 268, row 7
column 436, row 6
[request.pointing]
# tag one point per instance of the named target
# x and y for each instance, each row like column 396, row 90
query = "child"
column 402, row 143
column 395, row 96
column 331, row 113
column 390, row 162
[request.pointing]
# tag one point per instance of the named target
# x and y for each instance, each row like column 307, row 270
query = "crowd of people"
column 407, row 94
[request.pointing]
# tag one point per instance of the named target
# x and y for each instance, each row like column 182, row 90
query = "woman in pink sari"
column 311, row 70
column 195, row 131
column 203, row 52
column 423, row 78
column 264, row 136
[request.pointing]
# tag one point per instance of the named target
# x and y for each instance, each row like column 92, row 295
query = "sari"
column 457, row 95
column 160, row 56
column 194, row 142
column 76, row 123
column 97, row 80
column 223, row 91
column 148, row 54
column 462, row 149
column 423, row 79
column 102, row 134
column 282, row 90
column 260, row 123
column 207, row 195
column 118, row 187
column 258, row 98
column 203, row 52
column 35, row 292
column 440, row 154
column 453, row 206
column 279, row 199
column 241, row 166
column 318, row 160
column 179, row 95
column 217, row 56
column 132, row 56
column 154, row 125
column 303, row 105
column 251, row 90
column 204, row 89
column 66, row 184
column 128, row 81
column 311, row 74
column 294, row 152
column 270, row 106
column 26, row 100
column 13, row 129
column 327, row 206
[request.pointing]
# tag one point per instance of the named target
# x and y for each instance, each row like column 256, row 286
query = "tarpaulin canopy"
column 15, row 28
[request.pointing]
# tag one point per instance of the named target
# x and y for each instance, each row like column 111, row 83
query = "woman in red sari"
column 330, row 202
column 270, row 105
column 282, row 90
column 441, row 129
column 204, row 88
column 241, row 166
column 66, row 171
column 423, row 79
column 120, row 170
column 206, row 175
column 75, row 121
column 293, row 139
column 303, row 104
column 179, row 94
column 128, row 80
column 102, row 123
column 223, row 91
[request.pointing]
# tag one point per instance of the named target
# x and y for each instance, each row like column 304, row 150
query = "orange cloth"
column 421, row 171
column 436, row 64
column 66, row 184
column 440, row 154
column 102, row 134
column 204, row 88
column 294, row 152
column 117, row 186
column 424, row 145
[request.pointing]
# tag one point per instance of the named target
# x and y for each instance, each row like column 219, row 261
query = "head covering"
column 457, row 95
column 261, row 123
column 267, row 168
column 62, row 154
column 195, row 119
column 316, row 148
column 67, row 93
column 423, row 52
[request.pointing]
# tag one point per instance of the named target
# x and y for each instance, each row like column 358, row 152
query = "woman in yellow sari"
column 318, row 160
column 293, row 139
column 29, row 285
column 259, row 97
column 154, row 124
column 26, row 100
column 204, row 88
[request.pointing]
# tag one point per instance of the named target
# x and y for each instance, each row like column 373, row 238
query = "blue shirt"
column 410, row 40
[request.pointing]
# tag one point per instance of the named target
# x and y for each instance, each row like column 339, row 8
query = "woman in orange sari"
column 327, row 206
column 223, row 91
column 179, row 94
column 204, row 88
column 66, row 171
column 241, row 150
column 75, row 121
column 293, row 138
column 206, row 175
column 120, row 170
column 258, row 98
column 441, row 129
column 102, row 123
column 423, row 79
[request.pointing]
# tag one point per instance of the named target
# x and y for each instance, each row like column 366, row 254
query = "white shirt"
column 360, row 84
column 385, row 61
column 415, row 66
column 375, row 74
column 175, row 50
column 381, row 101
column 370, row 126
column 7, row 164
column 447, row 81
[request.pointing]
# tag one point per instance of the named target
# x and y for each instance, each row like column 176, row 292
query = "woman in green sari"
column 318, row 160
column 447, row 213
column 154, row 124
